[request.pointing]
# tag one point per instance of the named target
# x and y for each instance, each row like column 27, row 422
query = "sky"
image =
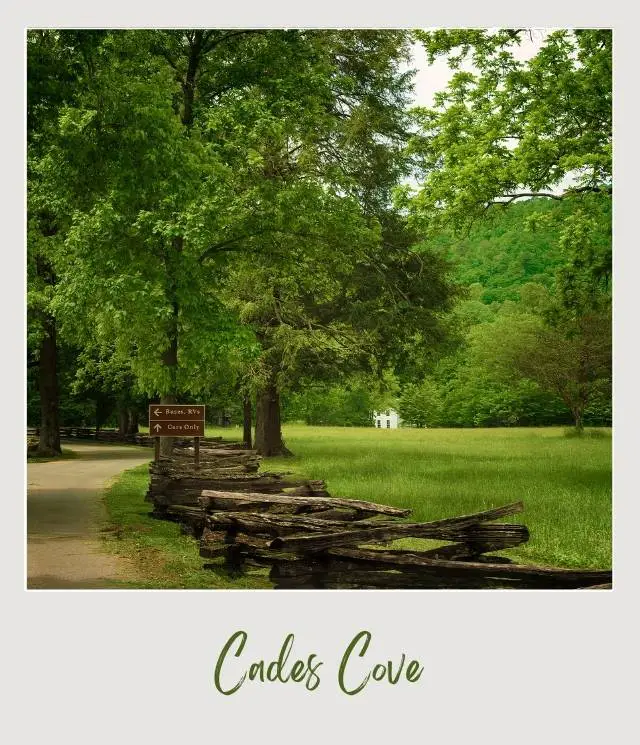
column 431, row 79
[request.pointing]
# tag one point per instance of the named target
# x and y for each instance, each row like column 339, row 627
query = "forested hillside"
column 513, row 246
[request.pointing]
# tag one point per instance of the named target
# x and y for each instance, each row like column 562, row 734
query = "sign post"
column 177, row 420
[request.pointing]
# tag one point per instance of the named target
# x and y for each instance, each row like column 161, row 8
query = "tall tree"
column 164, row 151
column 330, row 312
column 55, row 64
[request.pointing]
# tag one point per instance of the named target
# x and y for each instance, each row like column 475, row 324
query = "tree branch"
column 507, row 199
column 209, row 46
column 227, row 245
column 512, row 197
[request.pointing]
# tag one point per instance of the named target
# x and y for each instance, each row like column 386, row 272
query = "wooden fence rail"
column 137, row 438
column 309, row 539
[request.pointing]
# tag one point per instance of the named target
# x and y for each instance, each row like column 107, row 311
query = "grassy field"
column 564, row 482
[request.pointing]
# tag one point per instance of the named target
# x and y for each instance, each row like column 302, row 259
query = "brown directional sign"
column 174, row 420
column 177, row 429
column 176, row 412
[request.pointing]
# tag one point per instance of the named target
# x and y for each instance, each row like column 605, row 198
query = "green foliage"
column 514, row 369
column 336, row 406
column 421, row 405
column 510, row 248
column 347, row 404
column 510, row 127
column 505, row 130
column 168, row 151
column 209, row 209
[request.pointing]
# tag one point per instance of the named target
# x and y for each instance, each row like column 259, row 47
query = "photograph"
column 318, row 308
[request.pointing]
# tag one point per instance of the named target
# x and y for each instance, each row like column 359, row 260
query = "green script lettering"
column 242, row 635
column 345, row 659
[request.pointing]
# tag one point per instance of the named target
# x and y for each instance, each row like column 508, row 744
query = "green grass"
column 162, row 556
column 564, row 482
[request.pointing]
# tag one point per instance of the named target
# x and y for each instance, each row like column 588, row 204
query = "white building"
column 388, row 419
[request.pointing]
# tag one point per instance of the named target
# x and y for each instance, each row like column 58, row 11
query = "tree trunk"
column 246, row 419
column 103, row 410
column 48, row 380
column 170, row 359
column 578, row 416
column 189, row 83
column 132, row 428
column 166, row 443
column 170, row 356
column 268, row 430
column 123, row 419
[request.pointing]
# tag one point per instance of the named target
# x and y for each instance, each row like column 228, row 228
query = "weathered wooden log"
column 292, row 575
column 164, row 490
column 201, row 478
column 193, row 517
column 219, row 463
column 214, row 552
column 219, row 452
column 337, row 514
column 247, row 464
column 178, row 468
column 471, row 550
column 216, row 449
column 213, row 543
column 449, row 529
column 388, row 581
column 221, row 500
column 313, row 488
column 189, row 512
column 503, row 533
column 215, row 538
column 274, row 524
column 479, row 538
column 380, row 579
column 535, row 575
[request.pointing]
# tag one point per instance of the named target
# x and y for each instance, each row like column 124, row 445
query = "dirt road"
column 65, row 514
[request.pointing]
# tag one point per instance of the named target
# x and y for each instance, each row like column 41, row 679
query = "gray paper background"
column 500, row 667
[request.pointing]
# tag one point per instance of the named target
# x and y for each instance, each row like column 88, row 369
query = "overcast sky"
column 433, row 78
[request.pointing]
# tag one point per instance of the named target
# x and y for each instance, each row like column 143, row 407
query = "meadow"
column 564, row 482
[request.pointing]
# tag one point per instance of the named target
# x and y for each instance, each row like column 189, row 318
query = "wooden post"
column 196, row 451
column 157, row 449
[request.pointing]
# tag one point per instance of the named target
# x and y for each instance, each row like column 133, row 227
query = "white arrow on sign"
column 157, row 412
column 157, row 427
